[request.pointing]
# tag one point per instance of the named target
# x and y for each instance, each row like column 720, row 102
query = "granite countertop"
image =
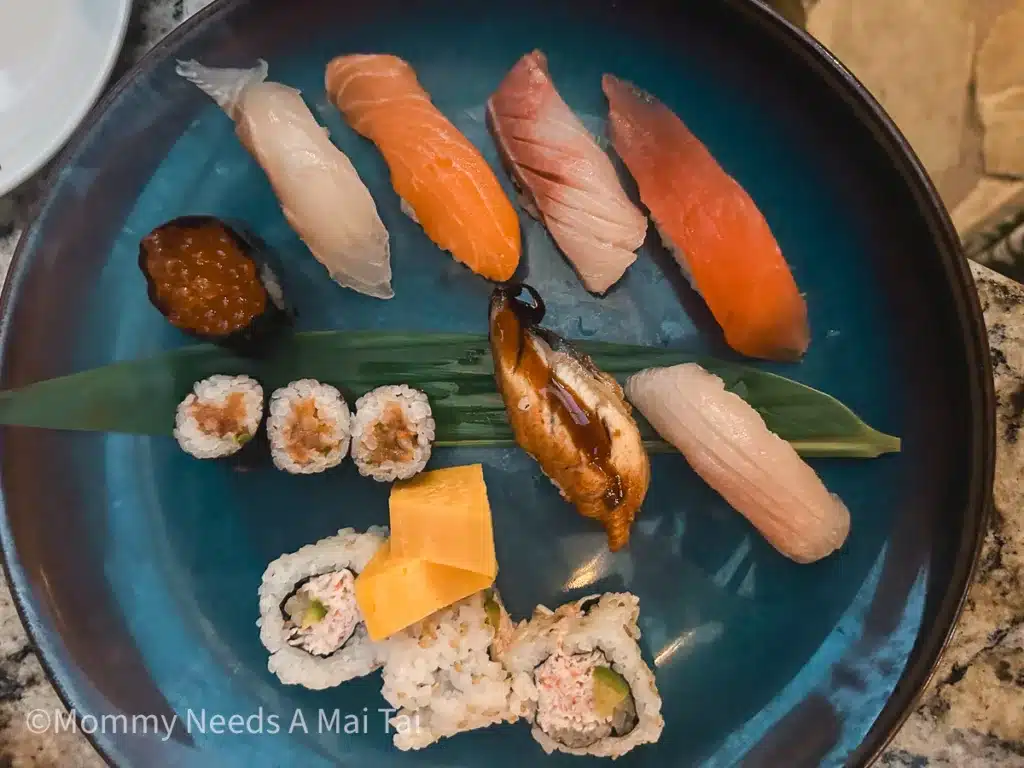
column 971, row 715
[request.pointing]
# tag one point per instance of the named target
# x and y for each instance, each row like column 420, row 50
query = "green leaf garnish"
column 454, row 370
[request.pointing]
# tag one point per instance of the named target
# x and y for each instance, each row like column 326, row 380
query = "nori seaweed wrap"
column 216, row 282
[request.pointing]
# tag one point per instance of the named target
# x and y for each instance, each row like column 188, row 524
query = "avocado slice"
column 493, row 611
column 610, row 690
column 314, row 613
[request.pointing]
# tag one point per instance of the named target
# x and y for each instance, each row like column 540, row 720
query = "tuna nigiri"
column 569, row 181
column 321, row 194
column 712, row 226
column 443, row 180
column 728, row 444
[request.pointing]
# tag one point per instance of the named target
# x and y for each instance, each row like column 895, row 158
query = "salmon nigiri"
column 443, row 180
column 728, row 444
column 712, row 226
column 319, row 190
column 570, row 181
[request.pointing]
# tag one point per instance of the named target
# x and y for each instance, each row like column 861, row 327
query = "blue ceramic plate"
column 136, row 568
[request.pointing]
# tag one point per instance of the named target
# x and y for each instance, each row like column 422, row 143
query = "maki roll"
column 214, row 283
column 392, row 433
column 442, row 673
column 309, row 619
column 579, row 677
column 308, row 427
column 219, row 416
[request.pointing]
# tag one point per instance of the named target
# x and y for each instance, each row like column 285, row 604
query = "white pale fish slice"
column 728, row 444
column 319, row 190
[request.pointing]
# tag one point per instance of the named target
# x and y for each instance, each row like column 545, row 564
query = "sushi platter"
column 435, row 445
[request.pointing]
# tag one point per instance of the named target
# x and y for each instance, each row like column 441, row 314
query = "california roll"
column 309, row 619
column 442, row 673
column 579, row 677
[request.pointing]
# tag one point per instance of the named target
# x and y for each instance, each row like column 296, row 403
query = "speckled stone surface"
column 972, row 715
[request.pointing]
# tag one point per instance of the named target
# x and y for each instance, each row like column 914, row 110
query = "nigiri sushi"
column 320, row 192
column 711, row 225
column 568, row 415
column 728, row 444
column 569, row 181
column 444, row 182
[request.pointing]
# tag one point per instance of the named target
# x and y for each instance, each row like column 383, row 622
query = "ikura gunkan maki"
column 309, row 618
column 308, row 427
column 578, row 675
column 214, row 282
column 392, row 433
column 219, row 416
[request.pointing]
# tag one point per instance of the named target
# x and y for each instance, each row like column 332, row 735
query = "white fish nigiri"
column 320, row 192
column 728, row 444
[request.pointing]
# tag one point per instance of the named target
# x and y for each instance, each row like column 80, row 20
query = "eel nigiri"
column 444, row 182
column 728, row 444
column 712, row 226
column 319, row 190
column 569, row 181
column 568, row 415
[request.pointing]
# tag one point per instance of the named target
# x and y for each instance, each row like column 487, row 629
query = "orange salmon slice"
column 711, row 225
column 444, row 182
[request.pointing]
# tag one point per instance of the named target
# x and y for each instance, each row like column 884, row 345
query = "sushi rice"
column 552, row 658
column 442, row 675
column 392, row 433
column 309, row 619
column 308, row 427
column 219, row 416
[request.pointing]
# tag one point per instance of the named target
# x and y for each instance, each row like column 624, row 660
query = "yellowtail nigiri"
column 320, row 192
column 728, row 444
column 569, row 180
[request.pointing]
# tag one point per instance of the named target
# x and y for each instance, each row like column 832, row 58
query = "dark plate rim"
column 928, row 648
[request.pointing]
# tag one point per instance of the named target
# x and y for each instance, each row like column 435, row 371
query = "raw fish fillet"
column 444, row 182
column 571, row 183
column 728, row 444
column 322, row 196
column 712, row 226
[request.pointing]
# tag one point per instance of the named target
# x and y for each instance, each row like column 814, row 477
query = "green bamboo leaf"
column 455, row 371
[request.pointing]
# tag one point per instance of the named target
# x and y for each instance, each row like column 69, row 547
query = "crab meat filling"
column 322, row 614
column 575, row 706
